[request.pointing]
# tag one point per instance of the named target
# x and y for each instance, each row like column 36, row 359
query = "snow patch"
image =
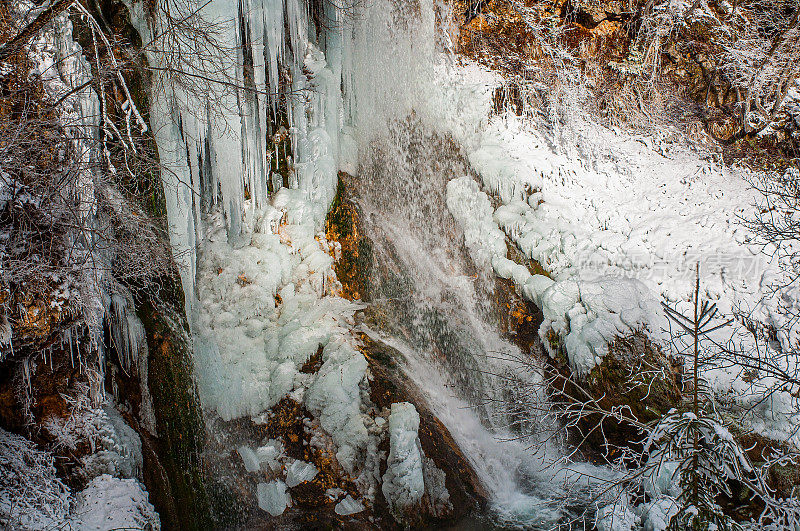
column 114, row 503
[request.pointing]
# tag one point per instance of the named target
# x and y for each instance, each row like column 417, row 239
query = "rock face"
column 635, row 378
column 354, row 251
column 442, row 465
column 174, row 475
column 426, row 480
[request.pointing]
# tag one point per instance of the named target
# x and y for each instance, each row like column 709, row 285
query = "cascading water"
column 428, row 300
column 360, row 82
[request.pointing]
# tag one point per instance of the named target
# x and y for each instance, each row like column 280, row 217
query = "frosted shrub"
column 31, row 496
column 708, row 459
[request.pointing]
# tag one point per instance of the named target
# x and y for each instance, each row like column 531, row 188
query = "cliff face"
column 648, row 60
column 95, row 327
column 126, row 167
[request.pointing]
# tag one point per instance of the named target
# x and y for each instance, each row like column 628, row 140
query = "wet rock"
column 442, row 455
column 353, row 252
column 176, row 469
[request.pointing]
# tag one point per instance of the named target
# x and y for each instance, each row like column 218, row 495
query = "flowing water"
column 430, row 302
column 427, row 298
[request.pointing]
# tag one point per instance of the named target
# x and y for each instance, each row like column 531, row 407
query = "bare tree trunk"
column 29, row 31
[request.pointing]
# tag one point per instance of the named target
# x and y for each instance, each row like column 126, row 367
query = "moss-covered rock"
column 179, row 443
column 354, row 263
column 635, row 379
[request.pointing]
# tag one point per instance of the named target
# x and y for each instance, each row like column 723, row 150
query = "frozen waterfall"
column 251, row 154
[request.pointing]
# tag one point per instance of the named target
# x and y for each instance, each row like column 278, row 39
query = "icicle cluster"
column 275, row 122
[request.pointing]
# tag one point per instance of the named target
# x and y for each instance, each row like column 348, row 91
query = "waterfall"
column 294, row 103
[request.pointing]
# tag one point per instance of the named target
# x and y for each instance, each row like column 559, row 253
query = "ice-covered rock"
column 348, row 506
column 662, row 479
column 657, row 514
column 272, row 497
column 473, row 211
column 617, row 516
column 299, row 472
column 435, row 488
column 334, row 397
column 589, row 315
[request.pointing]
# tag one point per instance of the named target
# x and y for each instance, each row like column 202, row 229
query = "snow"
column 616, row 517
column 116, row 448
column 657, row 514
column 272, row 497
column 618, row 219
column 114, row 503
column 403, row 483
column 31, row 496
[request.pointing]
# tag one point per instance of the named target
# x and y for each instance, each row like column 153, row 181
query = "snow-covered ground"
column 33, row 497
column 619, row 221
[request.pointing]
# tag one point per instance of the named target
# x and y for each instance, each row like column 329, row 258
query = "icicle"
column 5, row 335
column 273, row 51
column 26, row 375
column 127, row 331
column 68, row 335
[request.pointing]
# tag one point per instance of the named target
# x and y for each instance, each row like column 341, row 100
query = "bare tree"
column 760, row 58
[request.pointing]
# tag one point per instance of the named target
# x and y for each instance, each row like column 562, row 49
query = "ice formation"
column 473, row 210
column 250, row 460
column 334, row 396
column 299, row 472
column 127, row 331
column 223, row 156
column 249, row 348
column 269, row 456
column 403, row 483
column 272, row 497
column 586, row 314
column 348, row 506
